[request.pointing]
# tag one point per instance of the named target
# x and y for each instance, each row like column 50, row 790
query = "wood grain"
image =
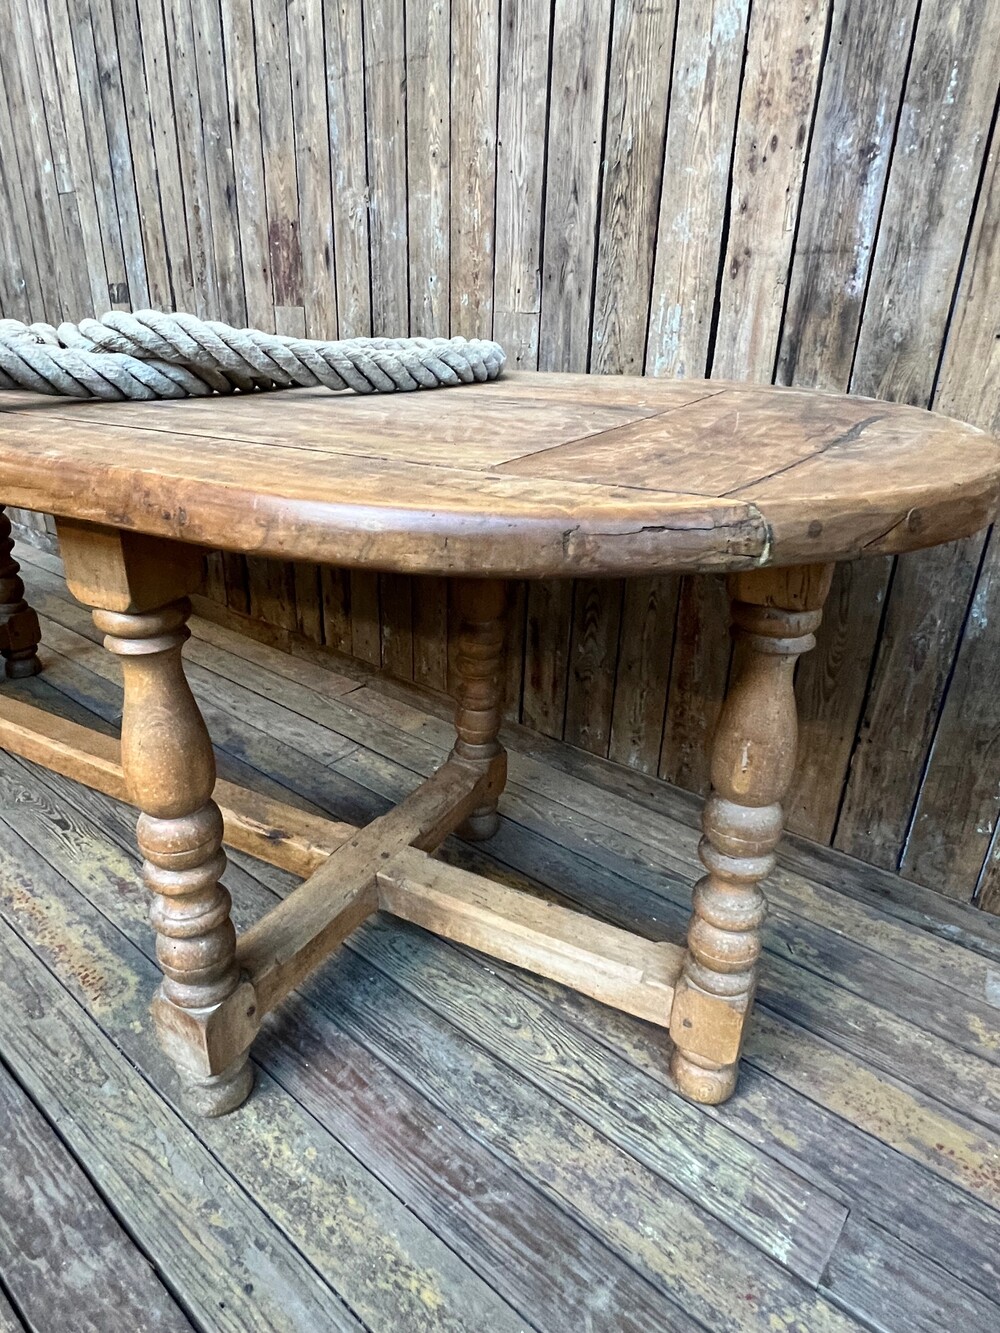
column 717, row 477
column 65, row 1261
column 131, row 137
column 580, row 37
column 638, row 89
column 704, row 93
column 475, row 33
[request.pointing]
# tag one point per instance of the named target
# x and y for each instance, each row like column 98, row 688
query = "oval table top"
column 534, row 474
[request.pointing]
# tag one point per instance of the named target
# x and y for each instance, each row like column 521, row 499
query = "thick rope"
column 150, row 354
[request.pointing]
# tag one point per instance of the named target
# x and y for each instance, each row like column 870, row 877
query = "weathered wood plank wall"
column 799, row 190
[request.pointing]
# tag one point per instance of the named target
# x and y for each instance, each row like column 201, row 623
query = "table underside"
column 217, row 988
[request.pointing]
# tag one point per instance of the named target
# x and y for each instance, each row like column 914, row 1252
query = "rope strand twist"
column 151, row 354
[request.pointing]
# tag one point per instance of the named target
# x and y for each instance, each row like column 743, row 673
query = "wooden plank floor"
column 439, row 1142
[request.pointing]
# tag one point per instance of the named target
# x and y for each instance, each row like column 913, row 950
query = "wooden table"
column 535, row 476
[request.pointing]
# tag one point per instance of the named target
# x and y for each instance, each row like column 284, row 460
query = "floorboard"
column 67, row 1262
column 442, row 1142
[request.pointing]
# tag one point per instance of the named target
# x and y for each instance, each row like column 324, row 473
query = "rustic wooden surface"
column 445, row 1144
column 639, row 156
column 528, row 476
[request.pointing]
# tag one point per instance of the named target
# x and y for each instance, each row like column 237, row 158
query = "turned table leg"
column 204, row 1011
column 19, row 632
column 482, row 605
column 170, row 769
column 775, row 615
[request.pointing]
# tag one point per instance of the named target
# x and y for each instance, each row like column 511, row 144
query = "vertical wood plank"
column 193, row 168
column 214, row 584
column 514, row 650
column 345, row 92
column 163, row 137
column 366, row 640
column 430, row 632
column 851, row 149
column 219, row 162
column 428, row 164
column 281, row 189
column 521, row 121
column 32, row 159
column 780, row 83
column 74, row 280
column 697, row 681
column 75, row 54
column 956, row 813
column 958, row 805
column 932, row 184
column 312, row 167
column 649, row 614
column 248, row 163
column 109, row 72
column 308, row 601
column 597, row 609
column 385, row 90
column 121, row 26
column 335, row 587
column 638, row 87
column 271, row 588
column 546, row 655
column 825, row 689
column 580, row 36
column 237, row 579
column 708, row 55
column 396, row 624
column 20, row 288
column 474, row 38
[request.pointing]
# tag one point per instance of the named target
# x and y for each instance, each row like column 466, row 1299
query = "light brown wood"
column 274, row 832
column 530, row 475
column 607, row 963
column 753, row 757
column 695, row 450
column 285, row 945
column 125, row 571
column 19, row 632
column 204, row 1007
column 894, row 119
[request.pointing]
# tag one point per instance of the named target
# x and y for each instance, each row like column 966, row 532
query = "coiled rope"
column 150, row 354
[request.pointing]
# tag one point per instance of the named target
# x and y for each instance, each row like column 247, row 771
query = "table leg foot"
column 775, row 614
column 19, row 631
column 482, row 605
column 218, row 1094
column 22, row 663
column 701, row 1080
